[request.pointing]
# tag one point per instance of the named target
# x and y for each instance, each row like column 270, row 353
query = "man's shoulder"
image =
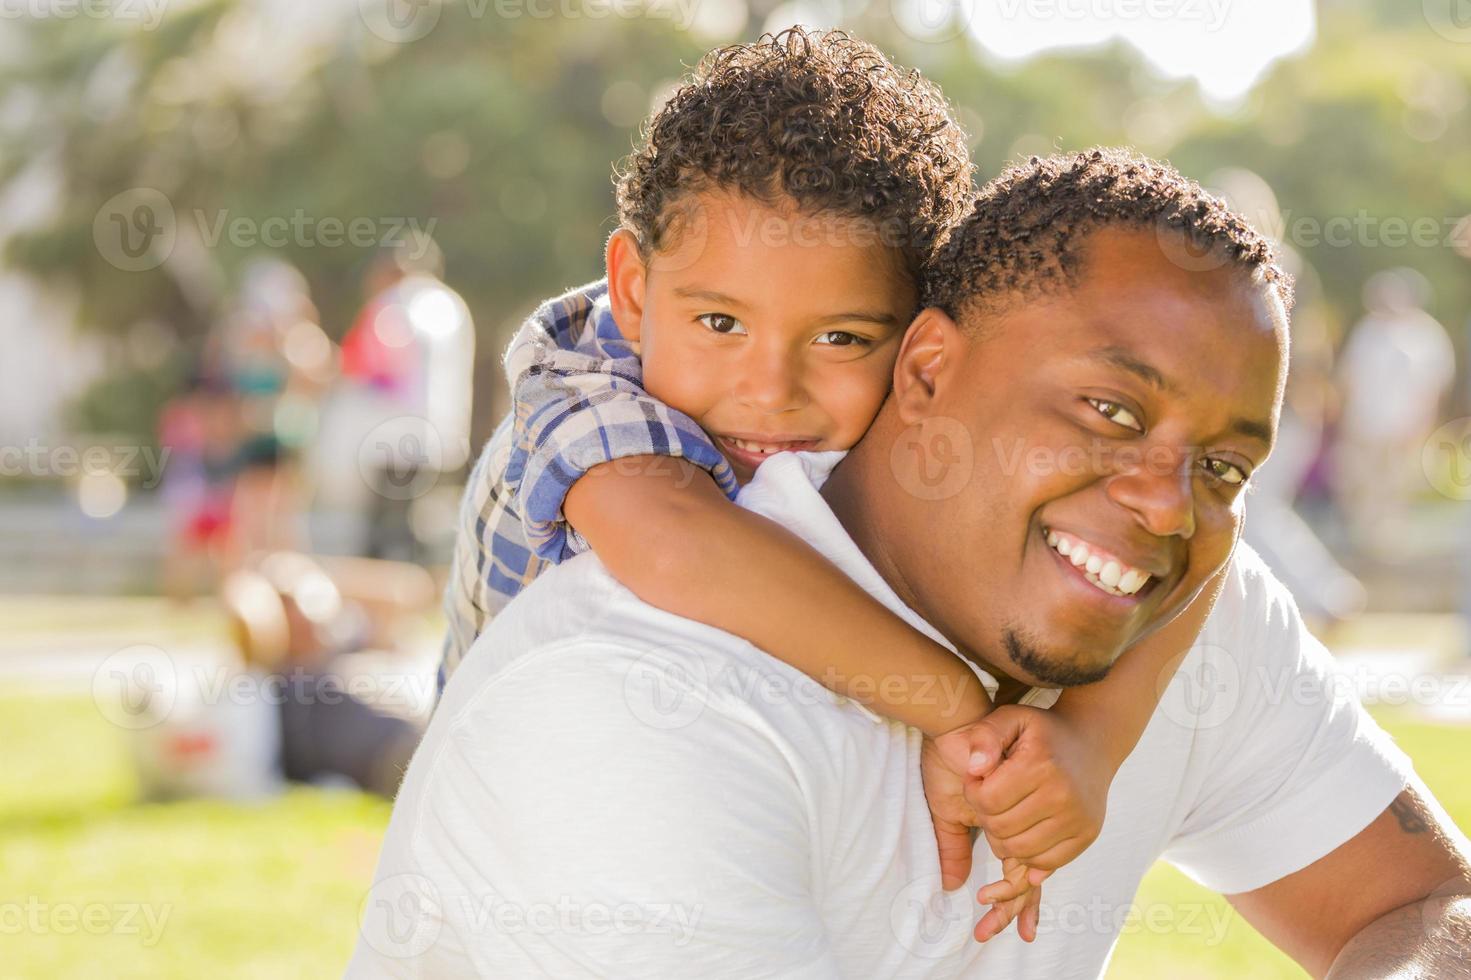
column 1253, row 601
column 576, row 613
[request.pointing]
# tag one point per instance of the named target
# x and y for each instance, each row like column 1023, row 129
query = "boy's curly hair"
column 1025, row 235
column 821, row 118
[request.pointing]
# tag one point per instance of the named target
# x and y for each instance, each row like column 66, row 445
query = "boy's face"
column 1123, row 416
column 772, row 329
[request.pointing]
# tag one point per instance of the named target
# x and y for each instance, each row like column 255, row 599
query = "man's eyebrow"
column 1252, row 429
column 1127, row 360
column 1123, row 358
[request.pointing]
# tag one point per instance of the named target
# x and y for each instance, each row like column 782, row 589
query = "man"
column 610, row 790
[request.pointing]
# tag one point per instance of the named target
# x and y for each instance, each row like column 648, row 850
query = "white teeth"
column 1108, row 575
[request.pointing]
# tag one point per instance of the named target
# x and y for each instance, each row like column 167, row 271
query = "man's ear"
column 626, row 278
column 928, row 355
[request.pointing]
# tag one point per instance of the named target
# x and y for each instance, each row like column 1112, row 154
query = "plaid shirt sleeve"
column 579, row 396
column 579, row 402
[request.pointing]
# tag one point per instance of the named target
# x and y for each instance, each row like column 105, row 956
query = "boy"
column 773, row 227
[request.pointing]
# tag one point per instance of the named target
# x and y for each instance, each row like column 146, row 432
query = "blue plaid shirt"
column 579, row 401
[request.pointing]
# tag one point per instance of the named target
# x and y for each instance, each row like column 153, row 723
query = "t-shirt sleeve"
column 1294, row 765
column 580, row 401
column 602, row 815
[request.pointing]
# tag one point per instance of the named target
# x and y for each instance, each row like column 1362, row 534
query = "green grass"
column 272, row 890
column 96, row 884
column 1238, row 950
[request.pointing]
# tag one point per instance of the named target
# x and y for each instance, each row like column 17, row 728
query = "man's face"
column 772, row 329
column 1120, row 418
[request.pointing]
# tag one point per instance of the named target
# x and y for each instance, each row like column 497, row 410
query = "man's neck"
column 856, row 499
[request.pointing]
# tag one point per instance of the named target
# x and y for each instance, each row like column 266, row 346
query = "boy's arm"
column 666, row 532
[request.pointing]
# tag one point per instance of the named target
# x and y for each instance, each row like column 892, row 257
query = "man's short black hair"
column 1026, row 233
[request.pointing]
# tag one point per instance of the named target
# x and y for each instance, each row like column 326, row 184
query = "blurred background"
column 260, row 260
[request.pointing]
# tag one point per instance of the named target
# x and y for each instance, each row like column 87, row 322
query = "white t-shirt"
column 610, row 790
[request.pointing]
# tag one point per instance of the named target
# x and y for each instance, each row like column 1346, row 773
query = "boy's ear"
column 626, row 279
column 927, row 356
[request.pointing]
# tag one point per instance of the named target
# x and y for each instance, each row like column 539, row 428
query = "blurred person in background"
column 1396, row 369
column 403, row 405
column 1324, row 589
column 197, row 428
column 277, row 359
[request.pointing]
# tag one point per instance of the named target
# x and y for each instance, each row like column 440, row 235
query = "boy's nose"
column 770, row 384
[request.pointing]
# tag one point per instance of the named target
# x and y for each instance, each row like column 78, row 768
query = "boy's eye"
column 841, row 338
column 1115, row 412
column 1226, row 472
column 720, row 323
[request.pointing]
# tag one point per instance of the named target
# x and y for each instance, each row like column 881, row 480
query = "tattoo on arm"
column 1405, row 811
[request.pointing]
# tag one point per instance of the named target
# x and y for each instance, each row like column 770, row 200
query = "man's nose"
column 1160, row 492
column 770, row 381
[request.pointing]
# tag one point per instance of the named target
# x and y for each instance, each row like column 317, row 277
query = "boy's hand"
column 942, row 771
column 952, row 767
column 1045, row 801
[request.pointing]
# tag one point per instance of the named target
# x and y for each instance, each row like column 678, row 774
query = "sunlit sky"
column 1225, row 44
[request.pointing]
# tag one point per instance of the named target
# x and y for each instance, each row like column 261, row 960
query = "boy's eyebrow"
column 1123, row 358
column 847, row 316
column 710, row 295
column 859, row 316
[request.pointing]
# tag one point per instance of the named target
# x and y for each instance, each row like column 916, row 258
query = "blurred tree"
column 502, row 132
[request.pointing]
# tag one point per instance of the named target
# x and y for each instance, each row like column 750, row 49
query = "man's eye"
column 841, row 338
column 720, row 323
column 1115, row 412
column 1227, row 472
